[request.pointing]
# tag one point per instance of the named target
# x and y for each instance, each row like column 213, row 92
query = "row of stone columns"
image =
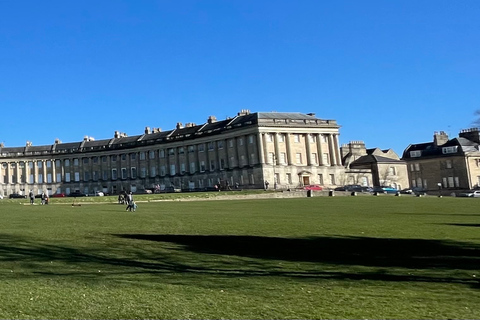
column 332, row 143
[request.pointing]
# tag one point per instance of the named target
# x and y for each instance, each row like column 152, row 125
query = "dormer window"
column 415, row 153
column 446, row 150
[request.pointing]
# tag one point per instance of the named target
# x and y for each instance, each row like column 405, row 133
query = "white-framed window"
column 141, row 155
column 269, row 137
column 49, row 178
column 326, row 159
column 296, row 138
column 113, row 158
column 444, row 182
column 66, row 162
column 172, row 170
column 181, row 150
column 191, row 149
column 192, row 167
column 123, row 157
column 313, row 158
column 452, row 149
column 75, row 162
column 412, row 167
column 153, row 171
column 163, row 171
column 392, row 171
column 220, row 144
column 283, row 157
column 143, row 172
column 448, row 164
column 320, row 179
column 39, row 164
column 171, row 151
column 298, row 158
column 271, row 157
column 76, row 176
column 133, row 172
column 415, row 153
column 450, row 182
column 161, row 153
column 240, row 141
column 251, row 138
column 182, row 168
column 324, row 138
column 59, row 177
column 288, row 178
column 124, row 173
column 201, row 147
column 456, row 181
column 49, row 164
column 417, row 166
column 230, row 143
column 312, row 138
column 281, row 137
column 332, row 179
column 151, row 154
column 67, row 177
column 210, row 146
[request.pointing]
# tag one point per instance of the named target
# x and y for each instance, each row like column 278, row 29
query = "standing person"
column 266, row 184
column 129, row 200
column 32, row 197
column 43, row 197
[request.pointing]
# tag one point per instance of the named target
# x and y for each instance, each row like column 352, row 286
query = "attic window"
column 415, row 153
column 446, row 150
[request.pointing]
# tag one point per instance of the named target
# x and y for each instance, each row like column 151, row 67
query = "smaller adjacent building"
column 452, row 164
column 373, row 167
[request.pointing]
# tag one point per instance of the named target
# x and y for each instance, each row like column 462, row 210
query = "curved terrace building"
column 286, row 149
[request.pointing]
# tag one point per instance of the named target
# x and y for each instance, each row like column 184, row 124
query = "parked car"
column 1, row 196
column 384, row 189
column 470, row 194
column 17, row 196
column 414, row 190
column 58, row 195
column 314, row 187
column 77, row 194
column 99, row 194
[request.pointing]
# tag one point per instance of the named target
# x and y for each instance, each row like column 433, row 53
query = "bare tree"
column 476, row 122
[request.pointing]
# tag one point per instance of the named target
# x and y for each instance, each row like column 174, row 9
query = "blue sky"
column 390, row 72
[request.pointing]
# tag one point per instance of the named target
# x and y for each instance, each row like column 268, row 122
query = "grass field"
column 367, row 257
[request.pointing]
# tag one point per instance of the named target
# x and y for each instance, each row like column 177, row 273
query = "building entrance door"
column 306, row 180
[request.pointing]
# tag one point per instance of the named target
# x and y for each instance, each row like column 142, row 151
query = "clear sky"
column 390, row 72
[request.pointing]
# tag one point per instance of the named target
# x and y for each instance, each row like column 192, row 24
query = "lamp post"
column 439, row 189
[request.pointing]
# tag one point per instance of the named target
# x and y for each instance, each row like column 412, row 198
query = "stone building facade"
column 448, row 164
column 287, row 149
column 375, row 167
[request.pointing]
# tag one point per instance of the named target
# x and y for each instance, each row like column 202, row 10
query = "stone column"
column 17, row 173
column 320, row 149
column 54, row 176
column 289, row 149
column 307, row 148
column 277, row 148
column 260, row 148
column 331, row 150
column 44, row 167
column 337, row 150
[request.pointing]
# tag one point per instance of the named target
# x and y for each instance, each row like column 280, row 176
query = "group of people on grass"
column 127, row 198
column 44, row 197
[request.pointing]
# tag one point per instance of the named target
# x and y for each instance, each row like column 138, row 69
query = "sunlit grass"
column 320, row 257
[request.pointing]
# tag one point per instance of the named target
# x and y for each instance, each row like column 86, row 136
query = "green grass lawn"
column 321, row 257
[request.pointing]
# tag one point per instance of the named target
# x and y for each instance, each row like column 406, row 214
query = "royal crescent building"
column 287, row 150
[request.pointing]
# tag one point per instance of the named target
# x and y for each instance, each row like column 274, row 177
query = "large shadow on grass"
column 246, row 256
column 362, row 251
